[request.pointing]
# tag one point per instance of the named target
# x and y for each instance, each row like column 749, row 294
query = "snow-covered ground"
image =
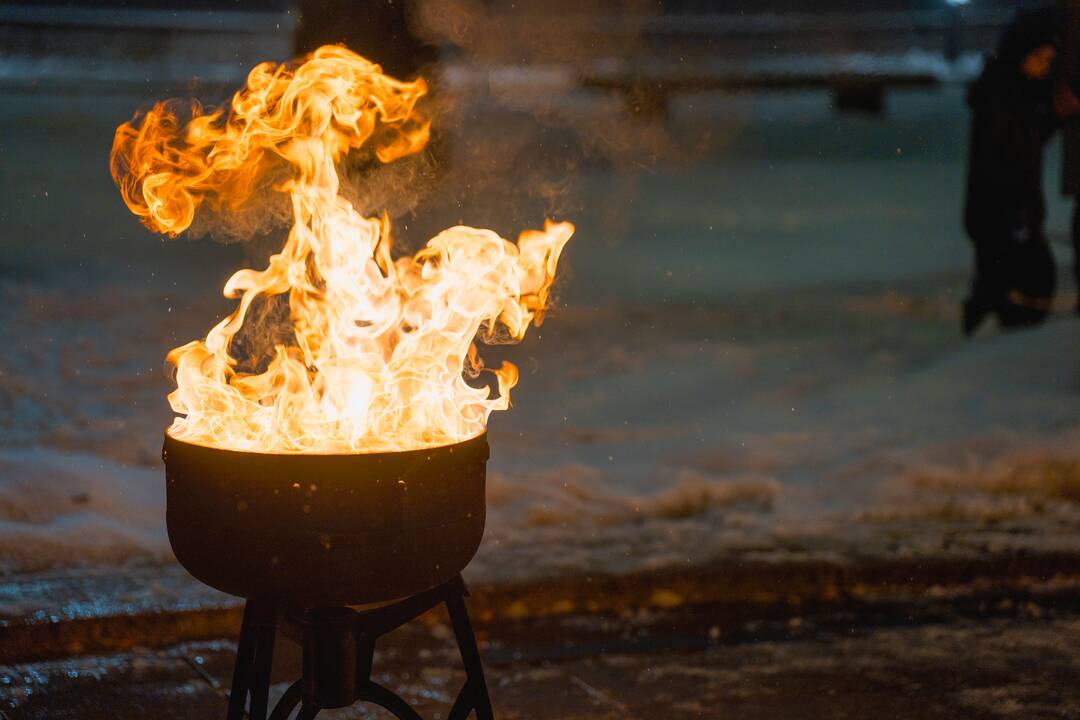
column 756, row 351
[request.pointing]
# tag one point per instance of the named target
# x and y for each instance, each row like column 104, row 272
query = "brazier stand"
column 334, row 551
column 338, row 645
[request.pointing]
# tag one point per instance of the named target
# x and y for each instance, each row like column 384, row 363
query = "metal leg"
column 287, row 703
column 474, row 695
column 308, row 712
column 264, row 657
column 245, row 657
column 254, row 653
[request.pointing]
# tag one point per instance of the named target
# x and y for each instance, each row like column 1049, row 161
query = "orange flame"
column 379, row 346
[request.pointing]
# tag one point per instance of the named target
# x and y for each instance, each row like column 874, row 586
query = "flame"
column 380, row 346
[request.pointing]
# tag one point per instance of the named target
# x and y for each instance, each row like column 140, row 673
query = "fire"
column 380, row 347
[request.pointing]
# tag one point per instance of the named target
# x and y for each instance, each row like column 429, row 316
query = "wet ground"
column 1005, row 659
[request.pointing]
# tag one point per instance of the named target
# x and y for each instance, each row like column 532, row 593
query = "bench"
column 648, row 96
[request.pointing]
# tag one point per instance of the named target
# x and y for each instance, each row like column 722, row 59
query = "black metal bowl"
column 313, row 530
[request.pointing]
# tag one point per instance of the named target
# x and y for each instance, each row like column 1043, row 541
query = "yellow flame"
column 379, row 346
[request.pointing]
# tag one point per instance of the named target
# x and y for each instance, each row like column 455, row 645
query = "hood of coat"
column 1030, row 29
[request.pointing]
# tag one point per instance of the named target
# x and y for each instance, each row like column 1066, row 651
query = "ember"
column 380, row 346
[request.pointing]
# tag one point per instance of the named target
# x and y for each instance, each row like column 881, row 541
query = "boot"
column 972, row 316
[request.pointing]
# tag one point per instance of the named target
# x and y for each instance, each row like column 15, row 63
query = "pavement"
column 997, row 637
column 82, row 611
column 943, row 657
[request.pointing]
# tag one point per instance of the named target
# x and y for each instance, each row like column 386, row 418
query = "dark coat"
column 1070, row 161
column 1012, row 120
column 1070, row 67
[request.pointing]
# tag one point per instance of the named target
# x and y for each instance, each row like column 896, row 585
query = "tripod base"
column 338, row 646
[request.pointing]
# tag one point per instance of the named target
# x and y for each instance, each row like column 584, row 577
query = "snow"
column 652, row 467
column 62, row 508
column 987, row 433
column 753, row 353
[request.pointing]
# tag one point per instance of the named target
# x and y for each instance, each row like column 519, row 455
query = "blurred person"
column 1067, row 104
column 380, row 30
column 1013, row 117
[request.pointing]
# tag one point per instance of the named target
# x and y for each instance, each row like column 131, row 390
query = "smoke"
column 519, row 131
column 513, row 131
column 260, row 218
column 531, row 32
